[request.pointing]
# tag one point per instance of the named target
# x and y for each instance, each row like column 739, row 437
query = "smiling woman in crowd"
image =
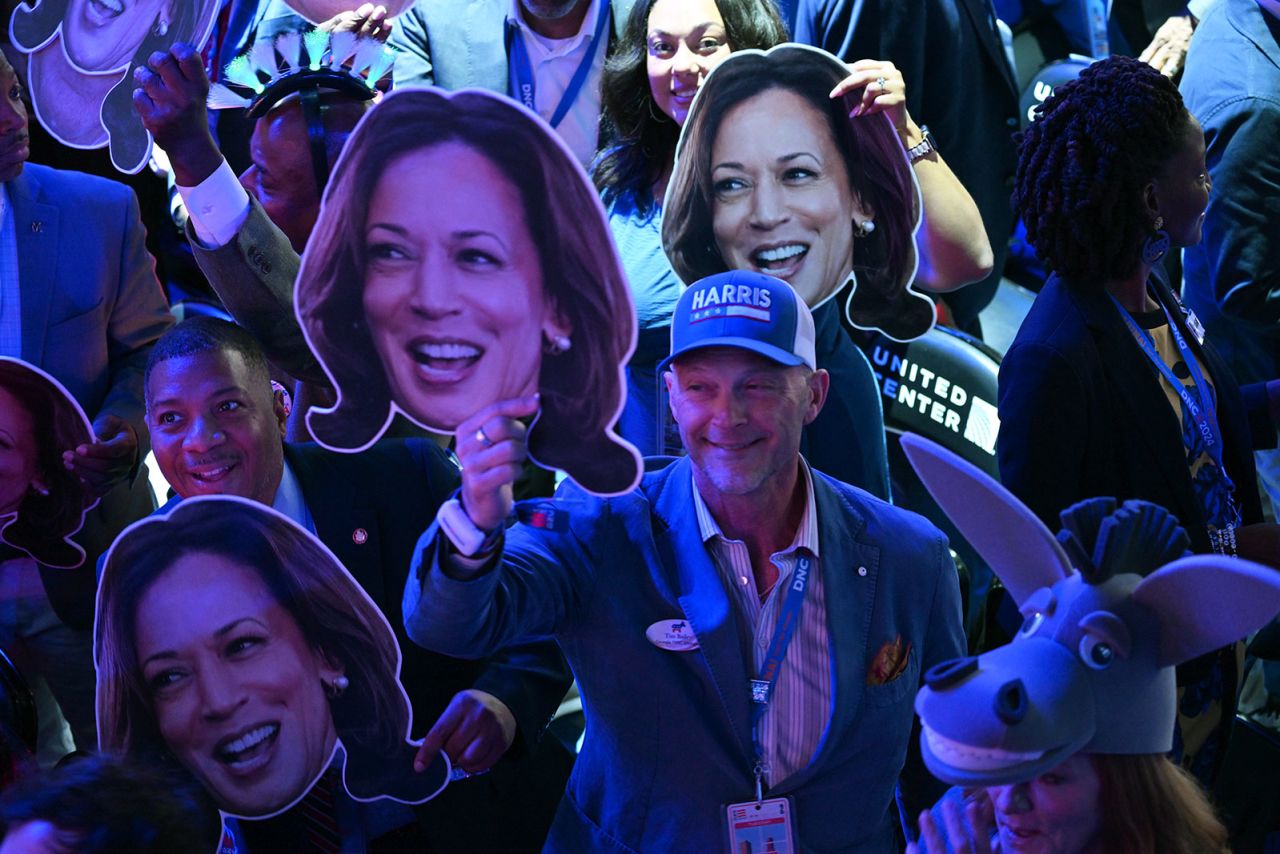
column 459, row 260
column 230, row 642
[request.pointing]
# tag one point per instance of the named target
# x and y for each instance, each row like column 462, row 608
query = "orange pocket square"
column 889, row 662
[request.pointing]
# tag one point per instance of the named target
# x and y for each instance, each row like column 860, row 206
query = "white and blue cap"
column 744, row 309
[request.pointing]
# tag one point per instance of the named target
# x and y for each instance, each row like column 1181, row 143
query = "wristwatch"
column 922, row 148
column 469, row 540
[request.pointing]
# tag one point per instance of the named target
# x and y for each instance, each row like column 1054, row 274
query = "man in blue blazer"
column 79, row 299
column 667, row 601
column 217, row 429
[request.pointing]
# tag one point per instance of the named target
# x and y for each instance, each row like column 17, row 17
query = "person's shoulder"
column 81, row 187
column 880, row 522
column 1056, row 319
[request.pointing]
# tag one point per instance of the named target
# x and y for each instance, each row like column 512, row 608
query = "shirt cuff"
column 218, row 206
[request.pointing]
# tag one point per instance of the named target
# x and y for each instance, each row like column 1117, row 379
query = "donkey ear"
column 1208, row 601
column 1017, row 545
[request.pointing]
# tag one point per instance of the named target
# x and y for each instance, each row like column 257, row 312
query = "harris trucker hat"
column 744, row 309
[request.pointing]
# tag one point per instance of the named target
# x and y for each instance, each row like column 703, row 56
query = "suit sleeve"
column 413, row 62
column 254, row 275
column 1239, row 245
column 138, row 316
column 1041, row 405
column 530, row 677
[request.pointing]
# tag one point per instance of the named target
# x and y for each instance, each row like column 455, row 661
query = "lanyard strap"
column 1097, row 12
column 762, row 688
column 1202, row 408
column 521, row 80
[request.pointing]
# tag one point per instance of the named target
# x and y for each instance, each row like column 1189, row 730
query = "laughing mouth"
column 783, row 256
column 968, row 757
column 208, row 475
column 239, row 751
column 444, row 359
column 107, row 8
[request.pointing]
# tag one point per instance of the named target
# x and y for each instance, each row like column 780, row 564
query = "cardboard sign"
column 41, row 503
column 81, row 55
column 229, row 641
column 461, row 258
column 772, row 175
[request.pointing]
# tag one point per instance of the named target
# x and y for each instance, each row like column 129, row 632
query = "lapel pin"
column 359, row 536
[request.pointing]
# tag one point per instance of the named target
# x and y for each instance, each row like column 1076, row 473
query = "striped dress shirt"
column 799, row 711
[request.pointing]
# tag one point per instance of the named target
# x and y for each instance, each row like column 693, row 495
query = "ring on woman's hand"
column 483, row 438
column 882, row 84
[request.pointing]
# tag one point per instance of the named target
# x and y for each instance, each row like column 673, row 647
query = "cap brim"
column 769, row 351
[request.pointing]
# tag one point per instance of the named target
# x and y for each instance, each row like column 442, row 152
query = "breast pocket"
column 901, row 686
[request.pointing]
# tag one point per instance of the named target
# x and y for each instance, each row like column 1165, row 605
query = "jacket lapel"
column 849, row 596
column 338, row 518
column 1138, row 388
column 992, row 42
column 35, row 227
column 689, row 567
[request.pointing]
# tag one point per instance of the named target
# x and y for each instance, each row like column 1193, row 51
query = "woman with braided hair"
column 1109, row 387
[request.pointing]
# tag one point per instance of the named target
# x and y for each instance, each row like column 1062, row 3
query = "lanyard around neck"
column 521, row 81
column 784, row 630
column 1201, row 407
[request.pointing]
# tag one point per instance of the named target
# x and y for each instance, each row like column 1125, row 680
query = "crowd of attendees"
column 757, row 623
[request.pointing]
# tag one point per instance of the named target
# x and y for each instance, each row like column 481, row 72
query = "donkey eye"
column 1095, row 653
column 1032, row 625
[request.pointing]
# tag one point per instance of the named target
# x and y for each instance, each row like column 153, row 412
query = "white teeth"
column 970, row 758
column 780, row 253
column 250, row 739
column 448, row 351
column 113, row 6
column 211, row 474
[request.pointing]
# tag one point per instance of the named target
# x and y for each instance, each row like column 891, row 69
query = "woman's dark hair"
column 642, row 137
column 106, row 805
column 44, row 522
column 33, row 27
column 582, row 388
column 1096, row 142
column 879, row 175
column 337, row 620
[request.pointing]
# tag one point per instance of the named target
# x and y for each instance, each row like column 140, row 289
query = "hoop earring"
column 335, row 689
column 864, row 228
column 557, row 345
column 1156, row 244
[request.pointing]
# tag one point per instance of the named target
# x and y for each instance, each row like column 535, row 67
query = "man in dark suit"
column 959, row 83
column 79, row 299
column 217, row 429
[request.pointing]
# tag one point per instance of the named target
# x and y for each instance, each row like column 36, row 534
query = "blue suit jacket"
column 668, row 733
column 91, row 309
column 1232, row 276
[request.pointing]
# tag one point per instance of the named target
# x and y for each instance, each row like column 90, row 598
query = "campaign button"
column 673, row 635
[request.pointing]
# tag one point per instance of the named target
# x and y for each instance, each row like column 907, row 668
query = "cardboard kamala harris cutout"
column 41, row 503
column 231, row 643
column 81, row 55
column 774, row 176
column 461, row 257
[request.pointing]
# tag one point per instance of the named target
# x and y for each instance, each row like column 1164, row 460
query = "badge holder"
column 761, row 826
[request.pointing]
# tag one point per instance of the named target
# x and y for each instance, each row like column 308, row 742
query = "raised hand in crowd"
column 951, row 232
column 1169, row 45
column 367, row 21
column 491, row 446
column 170, row 98
column 108, row 461
column 966, row 827
column 475, row 731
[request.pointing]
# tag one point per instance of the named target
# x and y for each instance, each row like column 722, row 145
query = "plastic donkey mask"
column 1111, row 606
